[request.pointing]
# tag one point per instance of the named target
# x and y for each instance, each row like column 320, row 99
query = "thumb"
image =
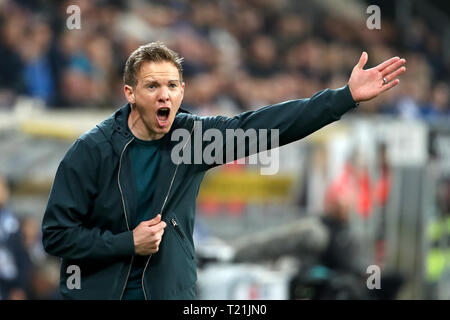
column 362, row 60
column 155, row 220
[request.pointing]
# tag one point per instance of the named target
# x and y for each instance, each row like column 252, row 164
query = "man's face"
column 156, row 97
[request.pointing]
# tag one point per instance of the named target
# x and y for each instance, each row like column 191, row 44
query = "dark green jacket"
column 92, row 204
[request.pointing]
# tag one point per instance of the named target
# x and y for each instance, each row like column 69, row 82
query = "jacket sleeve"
column 71, row 197
column 293, row 119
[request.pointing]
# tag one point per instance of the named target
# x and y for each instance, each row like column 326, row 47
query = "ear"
column 182, row 90
column 129, row 94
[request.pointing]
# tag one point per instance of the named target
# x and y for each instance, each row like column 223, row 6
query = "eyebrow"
column 156, row 81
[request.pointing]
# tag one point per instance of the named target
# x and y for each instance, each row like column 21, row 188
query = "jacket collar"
column 115, row 128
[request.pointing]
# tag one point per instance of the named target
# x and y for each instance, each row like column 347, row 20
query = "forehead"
column 163, row 70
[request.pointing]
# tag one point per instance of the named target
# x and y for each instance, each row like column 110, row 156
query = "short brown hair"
column 153, row 52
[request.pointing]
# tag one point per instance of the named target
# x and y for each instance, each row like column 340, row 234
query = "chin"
column 163, row 130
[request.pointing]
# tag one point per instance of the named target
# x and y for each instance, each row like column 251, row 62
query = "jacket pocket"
column 179, row 234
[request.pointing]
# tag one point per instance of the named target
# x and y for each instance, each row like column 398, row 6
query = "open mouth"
column 162, row 114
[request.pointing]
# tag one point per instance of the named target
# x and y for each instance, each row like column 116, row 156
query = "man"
column 121, row 211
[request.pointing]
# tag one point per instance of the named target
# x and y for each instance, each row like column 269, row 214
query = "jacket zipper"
column 177, row 227
column 125, row 212
column 162, row 209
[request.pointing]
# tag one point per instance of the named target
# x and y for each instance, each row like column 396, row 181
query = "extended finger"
column 393, row 67
column 362, row 60
column 395, row 74
column 387, row 63
column 390, row 85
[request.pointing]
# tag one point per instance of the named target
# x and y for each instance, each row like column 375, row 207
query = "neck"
column 139, row 129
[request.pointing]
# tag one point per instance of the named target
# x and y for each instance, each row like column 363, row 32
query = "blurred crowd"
column 26, row 271
column 239, row 54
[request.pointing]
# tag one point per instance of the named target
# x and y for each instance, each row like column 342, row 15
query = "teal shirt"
column 145, row 161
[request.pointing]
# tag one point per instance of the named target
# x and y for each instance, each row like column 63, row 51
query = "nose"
column 164, row 94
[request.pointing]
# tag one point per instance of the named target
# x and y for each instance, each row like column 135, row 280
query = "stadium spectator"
column 14, row 260
column 259, row 42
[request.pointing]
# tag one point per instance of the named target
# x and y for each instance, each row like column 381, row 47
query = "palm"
column 367, row 84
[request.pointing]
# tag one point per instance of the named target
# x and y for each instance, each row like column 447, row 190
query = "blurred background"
column 362, row 200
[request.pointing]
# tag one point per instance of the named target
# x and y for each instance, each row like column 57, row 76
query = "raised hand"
column 367, row 84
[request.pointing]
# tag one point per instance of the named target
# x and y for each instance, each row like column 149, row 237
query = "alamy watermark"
column 74, row 280
column 214, row 146
column 374, row 20
column 74, row 20
column 374, row 280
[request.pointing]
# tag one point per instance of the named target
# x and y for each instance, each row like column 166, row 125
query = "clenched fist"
column 147, row 236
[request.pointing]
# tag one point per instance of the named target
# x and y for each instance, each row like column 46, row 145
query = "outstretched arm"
column 367, row 84
column 296, row 119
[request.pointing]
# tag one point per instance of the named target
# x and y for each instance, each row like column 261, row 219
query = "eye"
column 173, row 85
column 151, row 86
